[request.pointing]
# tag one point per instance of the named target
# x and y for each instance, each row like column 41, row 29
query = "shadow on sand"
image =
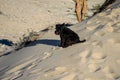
column 51, row 42
column 6, row 42
column 43, row 41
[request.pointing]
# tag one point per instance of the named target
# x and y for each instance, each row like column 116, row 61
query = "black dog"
column 68, row 37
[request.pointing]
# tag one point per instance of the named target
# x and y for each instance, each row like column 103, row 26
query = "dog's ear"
column 60, row 27
column 57, row 25
column 63, row 24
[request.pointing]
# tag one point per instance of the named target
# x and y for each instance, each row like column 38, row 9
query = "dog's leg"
column 62, row 43
column 67, row 43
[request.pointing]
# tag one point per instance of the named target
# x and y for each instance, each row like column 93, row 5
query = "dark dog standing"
column 68, row 37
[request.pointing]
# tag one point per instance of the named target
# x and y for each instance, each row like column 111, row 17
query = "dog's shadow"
column 50, row 42
column 6, row 42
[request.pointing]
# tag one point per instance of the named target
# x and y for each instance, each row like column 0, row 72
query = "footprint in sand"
column 84, row 55
column 95, row 61
column 84, row 60
column 118, row 61
column 3, row 68
column 109, row 73
column 17, row 71
column 35, row 71
column 7, row 78
column 47, row 55
column 21, row 66
column 71, row 76
column 98, row 53
column 91, row 78
column 113, row 41
column 97, row 56
column 56, row 71
column 97, row 43
column 93, row 67
column 113, row 76
column 108, row 27
column 91, row 28
column 16, row 76
column 54, row 48
column 31, row 66
column 13, row 76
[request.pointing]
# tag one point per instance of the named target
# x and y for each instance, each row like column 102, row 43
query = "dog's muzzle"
column 57, row 33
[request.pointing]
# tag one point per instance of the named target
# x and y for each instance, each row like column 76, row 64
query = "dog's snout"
column 56, row 33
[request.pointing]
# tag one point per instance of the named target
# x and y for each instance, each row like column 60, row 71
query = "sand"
column 96, row 59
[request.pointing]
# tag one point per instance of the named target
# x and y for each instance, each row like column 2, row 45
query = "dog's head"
column 58, row 28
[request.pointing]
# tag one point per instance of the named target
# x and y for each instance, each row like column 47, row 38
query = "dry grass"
column 96, row 7
column 26, row 39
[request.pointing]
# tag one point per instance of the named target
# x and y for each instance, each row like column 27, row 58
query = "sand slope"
column 96, row 59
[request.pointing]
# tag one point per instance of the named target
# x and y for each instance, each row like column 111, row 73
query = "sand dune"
column 96, row 59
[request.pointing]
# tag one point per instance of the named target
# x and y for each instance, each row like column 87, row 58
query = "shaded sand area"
column 96, row 59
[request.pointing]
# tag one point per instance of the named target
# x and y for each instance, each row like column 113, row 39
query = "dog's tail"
column 82, row 41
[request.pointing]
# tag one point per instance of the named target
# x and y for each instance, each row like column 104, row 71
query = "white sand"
column 96, row 59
